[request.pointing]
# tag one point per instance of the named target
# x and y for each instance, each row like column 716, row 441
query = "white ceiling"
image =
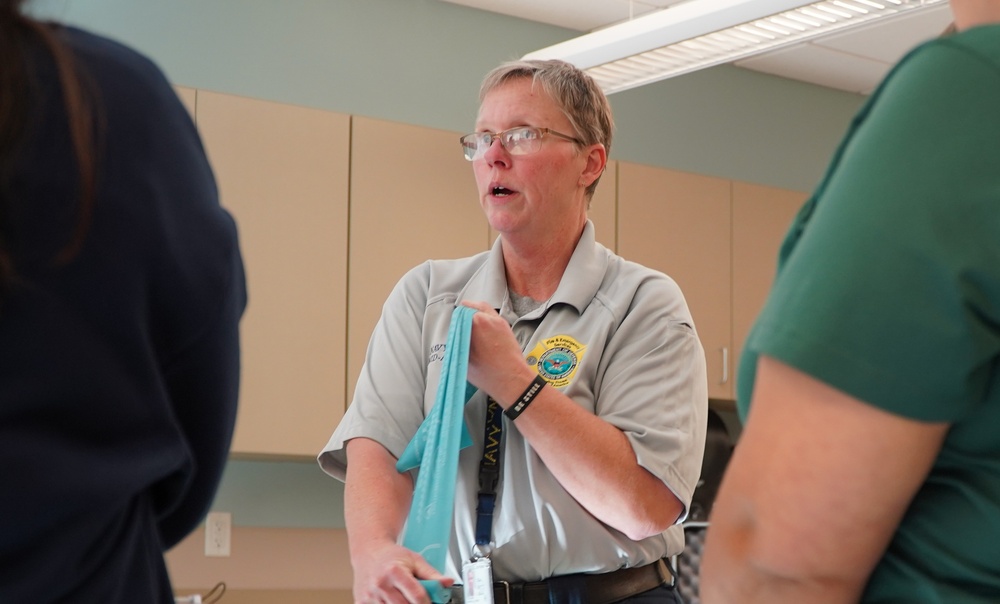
column 854, row 61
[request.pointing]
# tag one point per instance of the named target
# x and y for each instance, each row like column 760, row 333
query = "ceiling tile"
column 657, row 3
column 581, row 15
column 820, row 65
column 889, row 40
column 855, row 61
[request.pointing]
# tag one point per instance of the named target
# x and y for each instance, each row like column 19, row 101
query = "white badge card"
column 477, row 581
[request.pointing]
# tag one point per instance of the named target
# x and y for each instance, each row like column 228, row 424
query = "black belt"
column 603, row 588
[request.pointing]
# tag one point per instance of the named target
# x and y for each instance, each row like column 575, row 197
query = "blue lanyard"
column 489, row 473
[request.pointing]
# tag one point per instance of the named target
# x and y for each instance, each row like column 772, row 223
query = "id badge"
column 477, row 582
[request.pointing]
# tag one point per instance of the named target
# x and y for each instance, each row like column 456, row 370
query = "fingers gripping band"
column 529, row 395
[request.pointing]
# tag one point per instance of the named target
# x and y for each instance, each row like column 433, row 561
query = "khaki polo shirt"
column 616, row 337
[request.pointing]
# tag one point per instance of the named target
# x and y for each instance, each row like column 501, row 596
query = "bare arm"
column 592, row 459
column 595, row 463
column 813, row 494
column 376, row 502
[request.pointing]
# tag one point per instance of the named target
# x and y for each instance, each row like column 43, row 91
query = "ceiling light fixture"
column 701, row 33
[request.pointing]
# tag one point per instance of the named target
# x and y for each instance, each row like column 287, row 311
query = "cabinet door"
column 761, row 218
column 283, row 173
column 679, row 223
column 413, row 198
column 188, row 96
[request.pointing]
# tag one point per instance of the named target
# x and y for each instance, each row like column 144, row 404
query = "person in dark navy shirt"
column 121, row 291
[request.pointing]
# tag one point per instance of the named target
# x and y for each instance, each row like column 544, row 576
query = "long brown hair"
column 17, row 87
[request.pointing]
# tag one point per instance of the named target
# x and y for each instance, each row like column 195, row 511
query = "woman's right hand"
column 390, row 573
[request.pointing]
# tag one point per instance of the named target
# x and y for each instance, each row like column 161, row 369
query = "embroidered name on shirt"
column 437, row 353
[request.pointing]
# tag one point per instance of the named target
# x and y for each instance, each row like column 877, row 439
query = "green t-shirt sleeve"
column 889, row 282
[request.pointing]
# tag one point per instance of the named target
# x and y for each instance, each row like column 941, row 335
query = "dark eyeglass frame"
column 473, row 147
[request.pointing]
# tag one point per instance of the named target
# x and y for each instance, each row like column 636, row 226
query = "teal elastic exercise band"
column 435, row 449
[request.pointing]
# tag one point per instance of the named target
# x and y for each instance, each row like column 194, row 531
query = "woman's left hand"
column 496, row 361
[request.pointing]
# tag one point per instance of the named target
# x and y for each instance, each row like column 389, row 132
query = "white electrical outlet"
column 218, row 526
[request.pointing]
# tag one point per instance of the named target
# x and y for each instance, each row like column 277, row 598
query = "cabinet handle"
column 725, row 365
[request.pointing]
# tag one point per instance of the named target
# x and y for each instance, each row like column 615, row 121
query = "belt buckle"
column 506, row 591
column 664, row 570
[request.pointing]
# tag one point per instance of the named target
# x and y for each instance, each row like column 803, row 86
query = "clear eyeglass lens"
column 517, row 141
column 472, row 146
column 520, row 141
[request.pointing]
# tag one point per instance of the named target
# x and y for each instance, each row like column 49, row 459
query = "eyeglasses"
column 522, row 140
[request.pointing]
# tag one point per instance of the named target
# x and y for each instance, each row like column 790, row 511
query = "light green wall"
column 289, row 494
column 412, row 61
column 734, row 123
column 420, row 62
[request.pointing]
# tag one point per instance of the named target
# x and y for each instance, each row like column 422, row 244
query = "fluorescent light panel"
column 701, row 33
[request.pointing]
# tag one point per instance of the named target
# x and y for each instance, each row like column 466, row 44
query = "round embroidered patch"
column 557, row 359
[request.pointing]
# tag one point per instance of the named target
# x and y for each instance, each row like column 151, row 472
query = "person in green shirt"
column 869, row 466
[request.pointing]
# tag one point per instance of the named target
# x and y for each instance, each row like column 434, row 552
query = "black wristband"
column 529, row 395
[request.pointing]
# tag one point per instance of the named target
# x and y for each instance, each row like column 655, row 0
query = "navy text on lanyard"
column 489, row 474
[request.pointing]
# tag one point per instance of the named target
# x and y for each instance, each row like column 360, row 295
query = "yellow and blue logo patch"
column 557, row 359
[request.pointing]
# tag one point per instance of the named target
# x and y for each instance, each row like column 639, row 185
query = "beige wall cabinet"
column 188, row 96
column 718, row 239
column 761, row 218
column 679, row 223
column 282, row 171
column 333, row 210
column 413, row 198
